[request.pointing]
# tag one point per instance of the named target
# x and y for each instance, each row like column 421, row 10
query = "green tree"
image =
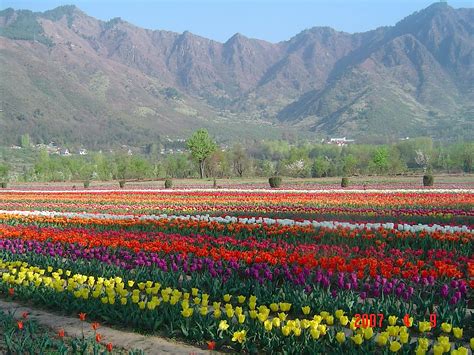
column 380, row 160
column 240, row 160
column 4, row 170
column 25, row 141
column 349, row 164
column 201, row 146
column 320, row 167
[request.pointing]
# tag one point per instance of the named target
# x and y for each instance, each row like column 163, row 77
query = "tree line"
column 204, row 158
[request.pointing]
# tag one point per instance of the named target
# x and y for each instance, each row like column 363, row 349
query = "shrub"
column 3, row 185
column 86, row 183
column 275, row 182
column 121, row 183
column 345, row 182
column 214, row 184
column 168, row 184
column 428, row 180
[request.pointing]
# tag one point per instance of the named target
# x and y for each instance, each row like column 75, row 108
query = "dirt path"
column 127, row 340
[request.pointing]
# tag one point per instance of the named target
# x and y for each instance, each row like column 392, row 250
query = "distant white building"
column 340, row 141
column 82, row 151
column 65, row 153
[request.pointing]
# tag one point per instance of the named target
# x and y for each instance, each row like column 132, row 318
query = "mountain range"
column 69, row 77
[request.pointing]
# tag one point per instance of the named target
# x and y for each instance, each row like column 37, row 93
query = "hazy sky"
column 273, row 21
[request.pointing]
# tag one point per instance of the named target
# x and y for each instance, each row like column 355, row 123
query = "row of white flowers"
column 259, row 220
column 273, row 191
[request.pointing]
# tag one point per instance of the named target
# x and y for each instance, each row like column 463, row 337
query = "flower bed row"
column 236, row 321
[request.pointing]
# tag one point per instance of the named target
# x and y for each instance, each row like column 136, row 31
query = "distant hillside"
column 66, row 76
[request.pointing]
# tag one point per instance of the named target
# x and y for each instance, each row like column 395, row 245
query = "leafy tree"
column 380, row 160
column 350, row 164
column 201, row 146
column 25, row 141
column 320, row 167
column 240, row 160
column 4, row 170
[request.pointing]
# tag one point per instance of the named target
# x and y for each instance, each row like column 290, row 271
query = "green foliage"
column 3, row 185
column 86, row 184
column 4, row 171
column 275, row 182
column 320, row 167
column 25, row 141
column 121, row 184
column 25, row 27
column 168, row 184
column 171, row 93
column 380, row 161
column 428, row 180
column 201, row 146
column 344, row 182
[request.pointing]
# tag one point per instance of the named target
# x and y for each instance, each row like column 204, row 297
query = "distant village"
column 177, row 147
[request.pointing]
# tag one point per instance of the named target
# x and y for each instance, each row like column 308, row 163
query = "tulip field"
column 255, row 271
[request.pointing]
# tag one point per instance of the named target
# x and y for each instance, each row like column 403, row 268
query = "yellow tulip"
column 392, row 320
column 344, row 320
column 229, row 312
column 239, row 336
column 241, row 318
column 315, row 333
column 262, row 317
column 424, row 343
column 274, row 307
column 420, row 351
column 438, row 349
column 460, row 351
column 187, row 312
column 368, row 333
column 357, row 339
column 241, row 299
column 227, row 297
column 395, row 346
column 276, row 322
column 339, row 313
column 286, row 330
column 424, row 327
column 322, row 328
column 446, row 327
column 253, row 314
column 382, row 340
column 471, row 343
column 457, row 332
column 404, row 338
column 306, row 310
column 340, row 337
column 268, row 325
column 223, row 325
